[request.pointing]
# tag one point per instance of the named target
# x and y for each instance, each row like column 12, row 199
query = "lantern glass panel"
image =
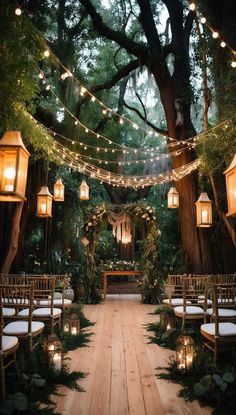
column 44, row 206
column 173, row 198
column 58, row 191
column 13, row 167
column 184, row 352
column 84, row 191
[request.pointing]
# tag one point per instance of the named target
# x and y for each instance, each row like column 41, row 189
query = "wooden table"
column 114, row 273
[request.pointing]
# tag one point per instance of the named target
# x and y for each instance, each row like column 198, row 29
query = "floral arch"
column 140, row 213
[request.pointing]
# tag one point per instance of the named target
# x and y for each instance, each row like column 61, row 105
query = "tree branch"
column 158, row 130
column 149, row 28
column 132, row 47
column 122, row 73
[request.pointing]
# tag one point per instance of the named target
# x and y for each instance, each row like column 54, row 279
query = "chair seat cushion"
column 222, row 312
column 8, row 342
column 21, row 327
column 8, row 312
column 175, row 301
column 225, row 329
column 201, row 301
column 40, row 312
column 56, row 301
column 189, row 310
column 15, row 301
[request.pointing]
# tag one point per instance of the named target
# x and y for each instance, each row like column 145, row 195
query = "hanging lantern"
column 230, row 177
column 184, row 352
column 13, row 167
column 44, row 203
column 58, row 191
column 204, row 211
column 54, row 352
column 173, row 198
column 84, row 191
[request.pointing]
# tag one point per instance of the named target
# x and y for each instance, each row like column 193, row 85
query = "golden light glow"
column 173, row 198
column 230, row 177
column 44, row 203
column 13, row 167
column 58, row 191
column 84, row 191
column 204, row 211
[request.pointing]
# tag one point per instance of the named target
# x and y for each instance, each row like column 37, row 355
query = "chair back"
column 44, row 289
column 19, row 297
column 12, row 279
column 224, row 296
column 173, row 286
column 224, row 278
column 195, row 290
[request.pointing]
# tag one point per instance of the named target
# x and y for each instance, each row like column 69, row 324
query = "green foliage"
column 164, row 309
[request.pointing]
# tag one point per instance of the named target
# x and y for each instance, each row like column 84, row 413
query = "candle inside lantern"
column 66, row 328
column 73, row 330
column 57, row 362
column 51, row 347
column 9, row 174
column 43, row 207
column 168, row 327
column 204, row 216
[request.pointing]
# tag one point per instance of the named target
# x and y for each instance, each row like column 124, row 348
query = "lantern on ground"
column 167, row 318
column 230, row 177
column 13, row 167
column 173, row 198
column 44, row 203
column 58, row 191
column 184, row 352
column 75, row 324
column 84, row 191
column 54, row 352
column 204, row 211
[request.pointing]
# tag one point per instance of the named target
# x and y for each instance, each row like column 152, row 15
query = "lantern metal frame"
column 14, row 157
column 184, row 352
column 173, row 198
column 71, row 324
column 46, row 196
column 58, row 191
column 204, row 205
column 230, row 177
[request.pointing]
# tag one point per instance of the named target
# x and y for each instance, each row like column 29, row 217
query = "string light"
column 18, row 11
column 46, row 53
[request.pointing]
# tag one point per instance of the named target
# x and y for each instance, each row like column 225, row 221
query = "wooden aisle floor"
column 121, row 366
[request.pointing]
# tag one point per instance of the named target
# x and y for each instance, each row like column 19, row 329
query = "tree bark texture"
column 14, row 238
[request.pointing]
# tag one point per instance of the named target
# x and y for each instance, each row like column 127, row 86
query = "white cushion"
column 40, row 312
column 222, row 312
column 15, row 301
column 8, row 342
column 21, row 327
column 225, row 329
column 209, row 302
column 56, row 301
column 8, row 312
column 175, row 301
column 189, row 310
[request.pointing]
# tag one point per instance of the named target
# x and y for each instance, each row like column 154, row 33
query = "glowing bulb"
column 40, row 75
column 76, row 122
column 203, row 20
column 93, row 99
column 9, row 173
column 47, row 87
column 121, row 121
column 223, row 44
column 18, row 11
column 46, row 53
column 215, row 35
column 233, row 64
column 192, row 6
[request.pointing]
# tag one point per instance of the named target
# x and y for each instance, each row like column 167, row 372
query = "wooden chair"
column 224, row 278
column 174, row 290
column 44, row 290
column 8, row 348
column 19, row 297
column 195, row 299
column 11, row 279
column 220, row 334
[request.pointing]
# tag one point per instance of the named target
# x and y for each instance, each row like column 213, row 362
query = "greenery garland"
column 140, row 213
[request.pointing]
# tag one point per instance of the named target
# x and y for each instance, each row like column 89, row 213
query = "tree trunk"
column 14, row 238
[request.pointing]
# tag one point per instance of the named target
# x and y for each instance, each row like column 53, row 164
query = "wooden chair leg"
column 2, row 378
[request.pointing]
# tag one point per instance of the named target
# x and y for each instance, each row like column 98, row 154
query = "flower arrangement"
column 120, row 266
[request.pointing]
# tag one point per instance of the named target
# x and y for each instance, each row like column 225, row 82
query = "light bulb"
column 47, row 87
column 192, row 6
column 203, row 20
column 223, row 44
column 9, row 173
column 46, row 53
column 121, row 121
column 40, row 76
column 215, row 35
column 18, row 11
column 233, row 64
